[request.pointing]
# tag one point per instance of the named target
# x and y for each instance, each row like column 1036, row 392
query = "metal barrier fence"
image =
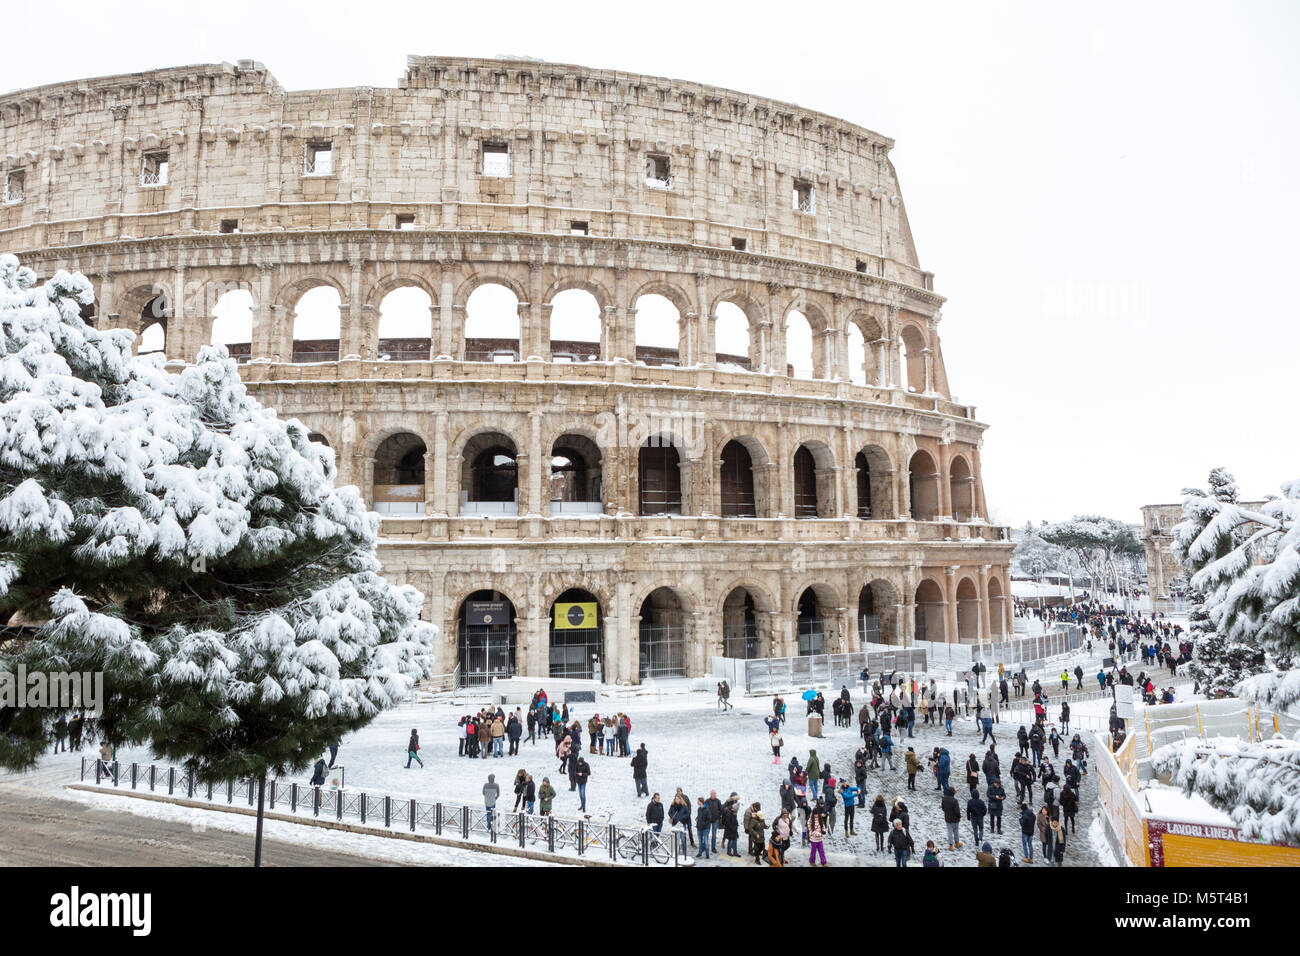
column 771, row 674
column 379, row 812
column 1229, row 717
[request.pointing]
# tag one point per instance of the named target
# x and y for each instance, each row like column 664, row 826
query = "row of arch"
column 665, row 633
column 573, row 479
column 578, row 329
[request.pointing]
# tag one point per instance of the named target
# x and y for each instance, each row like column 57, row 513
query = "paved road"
column 42, row 830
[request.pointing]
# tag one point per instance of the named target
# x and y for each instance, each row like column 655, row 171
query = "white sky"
column 1106, row 193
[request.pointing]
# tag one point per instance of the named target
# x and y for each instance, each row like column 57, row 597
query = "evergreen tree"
column 1218, row 664
column 170, row 532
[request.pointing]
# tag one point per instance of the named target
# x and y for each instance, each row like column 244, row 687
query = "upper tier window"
column 658, row 172
column 318, row 159
column 804, row 197
column 154, row 170
column 496, row 159
column 15, row 186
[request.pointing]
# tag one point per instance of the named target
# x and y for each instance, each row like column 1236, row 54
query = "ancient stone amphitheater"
column 655, row 480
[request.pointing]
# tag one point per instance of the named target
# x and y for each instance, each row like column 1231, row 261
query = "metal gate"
column 812, row 636
column 573, row 651
column 485, row 652
column 662, row 650
column 741, row 642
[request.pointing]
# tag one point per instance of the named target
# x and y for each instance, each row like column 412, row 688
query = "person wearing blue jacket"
column 887, row 749
column 1028, row 824
column 942, row 768
column 849, row 797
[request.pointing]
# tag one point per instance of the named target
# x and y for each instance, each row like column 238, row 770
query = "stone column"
column 985, row 632
column 906, row 617
column 446, row 325
column 705, row 344
column 264, row 316
column 538, row 501
column 533, row 636
column 849, row 473
column 778, row 328
column 783, row 640
column 928, row 354
column 944, row 466
column 180, row 341
column 436, row 501
column 882, row 358
column 352, row 335
column 905, row 493
column 950, row 603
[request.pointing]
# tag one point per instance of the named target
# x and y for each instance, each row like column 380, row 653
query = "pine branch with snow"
column 1258, row 784
column 169, row 531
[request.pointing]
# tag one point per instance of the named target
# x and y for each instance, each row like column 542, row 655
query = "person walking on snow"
column 413, row 749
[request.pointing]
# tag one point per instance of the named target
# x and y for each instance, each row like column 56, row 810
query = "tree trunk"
column 261, row 805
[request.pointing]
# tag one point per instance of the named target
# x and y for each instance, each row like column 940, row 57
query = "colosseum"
column 668, row 382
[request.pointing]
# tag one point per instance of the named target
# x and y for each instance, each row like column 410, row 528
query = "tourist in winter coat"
column 814, row 771
column 679, row 818
column 703, row 820
column 879, row 821
column 997, row 797
column 412, row 750
column 976, row 809
column 654, row 814
column 777, row 742
column 816, row 834
column 563, row 752
column 1069, row 807
column 581, row 774
column 730, row 825
column 898, row 814
column 640, row 764
column 985, row 856
column 317, row 777
column 756, row 829
column 973, row 774
column 1027, row 827
column 1022, row 740
column 912, row 763
column 1056, row 842
column 991, row 766
column 1043, row 822
column 521, row 782
column 952, row 817
column 514, row 731
column 942, row 767
column 930, row 858
column 782, row 829
column 545, row 796
column 491, row 793
column 901, row 844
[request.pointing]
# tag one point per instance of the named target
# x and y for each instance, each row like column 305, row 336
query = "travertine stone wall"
column 725, row 229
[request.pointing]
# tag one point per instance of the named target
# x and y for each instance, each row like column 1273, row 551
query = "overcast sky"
column 1107, row 194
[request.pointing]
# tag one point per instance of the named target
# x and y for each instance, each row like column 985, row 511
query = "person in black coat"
column 975, row 812
column 318, row 773
column 654, row 814
column 1069, row 807
column 879, row 822
column 997, row 797
column 640, row 763
column 1028, row 825
column 1022, row 738
column 951, row 816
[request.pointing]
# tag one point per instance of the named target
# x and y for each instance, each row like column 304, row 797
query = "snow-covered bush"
column 169, row 531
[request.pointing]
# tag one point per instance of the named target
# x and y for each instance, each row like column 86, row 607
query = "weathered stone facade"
column 838, row 508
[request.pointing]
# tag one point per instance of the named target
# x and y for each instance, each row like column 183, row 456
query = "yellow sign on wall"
column 575, row 616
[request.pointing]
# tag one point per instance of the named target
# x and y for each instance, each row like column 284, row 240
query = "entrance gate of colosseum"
column 485, row 638
column 577, row 636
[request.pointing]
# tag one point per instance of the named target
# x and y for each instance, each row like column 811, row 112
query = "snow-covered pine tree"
column 1247, row 564
column 1218, row 664
column 170, row 532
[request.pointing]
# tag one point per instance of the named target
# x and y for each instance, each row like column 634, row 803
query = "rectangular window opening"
column 153, row 172
column 15, row 186
column 579, row 228
column 658, row 172
column 230, row 225
column 861, row 266
column 406, row 220
column 738, row 244
column 804, row 198
column 496, row 159
column 318, row 159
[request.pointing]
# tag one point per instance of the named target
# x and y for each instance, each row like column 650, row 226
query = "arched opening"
column 997, row 610
column 731, row 342
column 737, row 482
column 923, row 482
column 662, row 633
column 658, row 330
column 489, row 476
column 867, row 367
column 877, row 614
column 577, row 636
column 961, row 490
column 575, row 327
column 913, row 347
column 929, row 612
column 814, row 623
column 318, row 438
column 485, row 638
column 806, row 499
column 873, row 483
column 857, row 356
column 232, row 323
column 575, row 476
column 399, row 475
column 406, row 325
column 659, row 476
column 317, row 320
column 745, row 628
column 492, row 325
column 153, row 325
column 799, row 346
